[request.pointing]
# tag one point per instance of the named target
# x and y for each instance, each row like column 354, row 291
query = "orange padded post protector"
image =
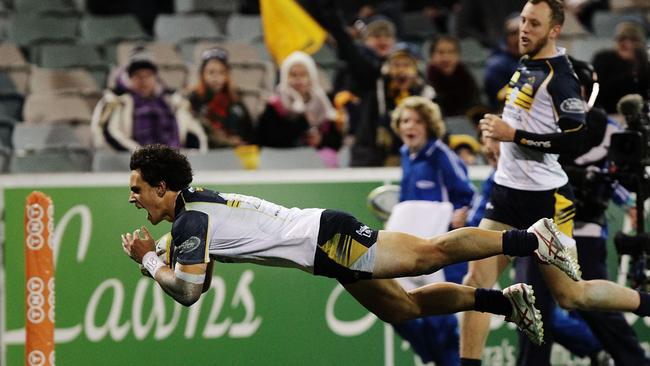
column 39, row 281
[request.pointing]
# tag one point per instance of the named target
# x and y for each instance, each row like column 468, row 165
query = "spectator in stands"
column 362, row 72
column 217, row 104
column 140, row 111
column 466, row 147
column 584, row 10
column 439, row 11
column 483, row 20
column 378, row 39
column 299, row 112
column 431, row 171
column 456, row 89
column 502, row 63
column 623, row 70
column 377, row 90
column 399, row 81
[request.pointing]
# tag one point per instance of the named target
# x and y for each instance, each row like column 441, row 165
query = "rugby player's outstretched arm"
column 185, row 284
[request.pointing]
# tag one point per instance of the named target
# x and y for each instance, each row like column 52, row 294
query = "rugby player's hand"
column 136, row 245
column 494, row 127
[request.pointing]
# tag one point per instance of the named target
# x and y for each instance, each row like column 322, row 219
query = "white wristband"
column 152, row 263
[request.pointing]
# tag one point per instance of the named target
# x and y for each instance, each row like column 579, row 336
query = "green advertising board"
column 107, row 313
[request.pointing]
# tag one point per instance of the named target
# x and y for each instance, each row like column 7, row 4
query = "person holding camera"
column 594, row 188
column 624, row 69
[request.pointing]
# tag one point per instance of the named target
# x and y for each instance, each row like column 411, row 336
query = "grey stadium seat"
column 86, row 56
column 102, row 30
column 76, row 80
column 604, row 22
column 217, row 159
column 40, row 148
column 39, row 6
column 205, row 6
column 56, row 108
column 179, row 28
column 34, row 136
column 246, row 28
column 292, row 158
column 111, row 161
column 25, row 30
column 51, row 161
column 15, row 68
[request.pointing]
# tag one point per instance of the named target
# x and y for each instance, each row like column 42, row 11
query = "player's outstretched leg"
column 392, row 304
column 552, row 250
column 524, row 314
column 399, row 254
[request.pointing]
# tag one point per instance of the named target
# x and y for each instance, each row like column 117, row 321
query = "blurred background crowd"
column 83, row 82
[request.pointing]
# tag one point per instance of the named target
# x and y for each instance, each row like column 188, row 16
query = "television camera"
column 629, row 152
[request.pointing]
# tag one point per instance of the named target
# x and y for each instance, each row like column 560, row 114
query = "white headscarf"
column 318, row 108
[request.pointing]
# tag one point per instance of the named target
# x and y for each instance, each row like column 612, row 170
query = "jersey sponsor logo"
column 546, row 144
column 364, row 230
column 189, row 245
column 425, row 184
column 572, row 105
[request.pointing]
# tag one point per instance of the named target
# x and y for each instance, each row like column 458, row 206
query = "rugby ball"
column 162, row 247
column 382, row 199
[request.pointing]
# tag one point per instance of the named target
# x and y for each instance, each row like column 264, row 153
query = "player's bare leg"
column 593, row 295
column 475, row 326
column 386, row 299
column 391, row 303
column 400, row 254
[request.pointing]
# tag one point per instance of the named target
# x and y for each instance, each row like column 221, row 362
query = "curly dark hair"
column 158, row 163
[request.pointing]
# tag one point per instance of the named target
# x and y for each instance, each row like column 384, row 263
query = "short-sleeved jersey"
column 236, row 228
column 540, row 93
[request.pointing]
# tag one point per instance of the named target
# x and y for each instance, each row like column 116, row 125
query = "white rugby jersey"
column 237, row 228
column 539, row 93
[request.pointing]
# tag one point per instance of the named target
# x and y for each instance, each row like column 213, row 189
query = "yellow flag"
column 288, row 28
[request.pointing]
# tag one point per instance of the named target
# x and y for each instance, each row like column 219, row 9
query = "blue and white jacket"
column 435, row 173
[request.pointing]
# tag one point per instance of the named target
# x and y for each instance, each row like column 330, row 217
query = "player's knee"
column 569, row 298
column 400, row 311
column 439, row 249
column 395, row 317
column 391, row 318
column 566, row 302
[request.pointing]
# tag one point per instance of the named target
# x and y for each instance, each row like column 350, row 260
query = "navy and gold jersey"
column 231, row 227
column 539, row 94
column 236, row 228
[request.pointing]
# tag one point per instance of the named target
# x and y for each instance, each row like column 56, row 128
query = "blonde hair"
column 429, row 112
